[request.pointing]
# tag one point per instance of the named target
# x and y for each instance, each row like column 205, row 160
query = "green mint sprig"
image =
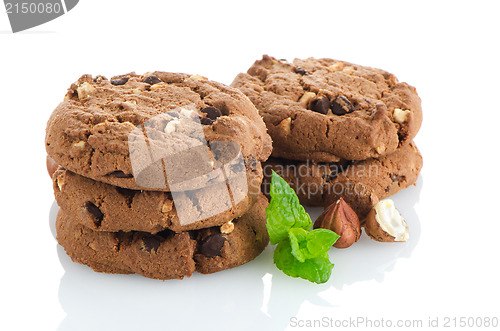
column 300, row 252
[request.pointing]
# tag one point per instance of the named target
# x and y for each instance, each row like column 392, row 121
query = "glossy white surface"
column 257, row 292
column 448, row 268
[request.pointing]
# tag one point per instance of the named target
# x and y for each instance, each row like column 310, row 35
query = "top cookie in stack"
column 159, row 174
column 100, row 129
column 325, row 112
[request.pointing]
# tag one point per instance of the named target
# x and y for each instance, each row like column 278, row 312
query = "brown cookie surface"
column 103, row 207
column 327, row 110
column 360, row 183
column 167, row 255
column 159, row 131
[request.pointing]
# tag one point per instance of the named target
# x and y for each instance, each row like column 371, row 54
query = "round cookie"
column 360, row 183
column 167, row 255
column 103, row 207
column 327, row 110
column 159, row 131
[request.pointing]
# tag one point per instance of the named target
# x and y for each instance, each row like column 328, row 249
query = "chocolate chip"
column 251, row 163
column 150, row 243
column 397, row 178
column 212, row 245
column 341, row 106
column 212, row 112
column 206, row 121
column 334, row 171
column 120, row 174
column 300, row 71
column 95, row 212
column 125, row 192
column 166, row 234
column 119, row 81
column 151, row 80
column 320, row 105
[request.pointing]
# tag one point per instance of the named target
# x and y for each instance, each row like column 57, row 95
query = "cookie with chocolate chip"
column 328, row 110
column 166, row 254
column 159, row 131
column 360, row 183
column 104, row 207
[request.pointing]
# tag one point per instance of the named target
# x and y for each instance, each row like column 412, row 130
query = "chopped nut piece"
column 227, row 227
column 337, row 66
column 401, row 115
column 167, row 206
column 157, row 86
column 85, row 90
column 172, row 125
column 380, row 149
column 286, row 125
column 60, row 182
column 348, row 70
column 307, row 98
column 197, row 77
column 80, row 144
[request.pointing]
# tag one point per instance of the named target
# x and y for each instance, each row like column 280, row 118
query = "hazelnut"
column 341, row 219
column 385, row 223
column 51, row 166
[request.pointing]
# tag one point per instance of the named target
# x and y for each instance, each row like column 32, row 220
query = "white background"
column 447, row 49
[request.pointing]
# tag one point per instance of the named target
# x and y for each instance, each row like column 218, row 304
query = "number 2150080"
column 33, row 8
column 478, row 322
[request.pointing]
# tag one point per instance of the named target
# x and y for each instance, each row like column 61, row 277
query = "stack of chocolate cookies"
column 338, row 129
column 158, row 174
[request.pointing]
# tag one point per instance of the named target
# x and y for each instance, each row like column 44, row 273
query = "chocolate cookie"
column 167, row 255
column 360, row 183
column 103, row 207
column 159, row 131
column 327, row 110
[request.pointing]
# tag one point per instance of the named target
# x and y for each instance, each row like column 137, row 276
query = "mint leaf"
column 311, row 244
column 316, row 270
column 319, row 241
column 284, row 211
column 298, row 243
column 300, row 253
